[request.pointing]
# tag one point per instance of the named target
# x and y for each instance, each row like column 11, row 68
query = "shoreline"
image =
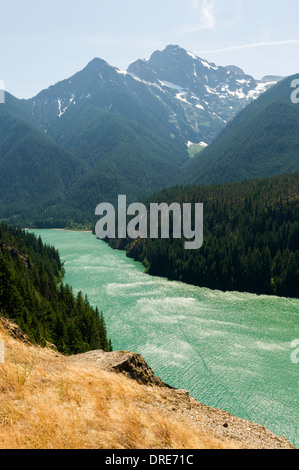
column 58, row 229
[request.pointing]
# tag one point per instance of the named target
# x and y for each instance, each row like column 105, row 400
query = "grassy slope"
column 48, row 403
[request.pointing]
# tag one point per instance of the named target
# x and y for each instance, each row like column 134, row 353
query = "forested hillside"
column 251, row 238
column 34, row 171
column 103, row 132
column 100, row 154
column 33, row 296
column 261, row 141
column 125, row 157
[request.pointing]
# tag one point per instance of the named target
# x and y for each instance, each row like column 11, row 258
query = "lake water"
column 230, row 350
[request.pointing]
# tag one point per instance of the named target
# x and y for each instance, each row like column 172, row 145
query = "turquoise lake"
column 231, row 350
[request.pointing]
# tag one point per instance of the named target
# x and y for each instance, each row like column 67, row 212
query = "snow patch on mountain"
column 192, row 55
column 180, row 96
column 60, row 110
column 209, row 66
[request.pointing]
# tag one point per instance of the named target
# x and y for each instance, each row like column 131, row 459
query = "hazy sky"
column 43, row 42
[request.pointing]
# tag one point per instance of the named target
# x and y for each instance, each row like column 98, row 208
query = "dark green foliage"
column 30, row 296
column 101, row 133
column 125, row 157
column 34, row 172
column 261, row 141
column 126, row 144
column 97, row 154
column 251, row 238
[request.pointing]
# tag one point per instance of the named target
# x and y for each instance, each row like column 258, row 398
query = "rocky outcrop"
column 13, row 329
column 17, row 254
column 128, row 363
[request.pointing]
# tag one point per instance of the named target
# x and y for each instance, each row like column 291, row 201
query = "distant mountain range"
column 104, row 132
column 175, row 91
column 198, row 93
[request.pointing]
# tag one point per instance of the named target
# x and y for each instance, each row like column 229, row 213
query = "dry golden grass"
column 47, row 402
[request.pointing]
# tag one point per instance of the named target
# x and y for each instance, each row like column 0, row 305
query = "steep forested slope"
column 251, row 238
column 261, row 141
column 34, row 171
column 29, row 295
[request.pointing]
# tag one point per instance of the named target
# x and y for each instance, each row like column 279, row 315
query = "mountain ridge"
column 122, row 133
column 261, row 141
column 172, row 77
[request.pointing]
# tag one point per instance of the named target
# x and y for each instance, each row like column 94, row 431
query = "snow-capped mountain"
column 209, row 95
column 104, row 132
column 182, row 95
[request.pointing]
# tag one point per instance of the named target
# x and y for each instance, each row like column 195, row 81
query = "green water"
column 230, row 350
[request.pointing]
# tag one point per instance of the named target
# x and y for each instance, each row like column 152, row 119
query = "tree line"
column 251, row 238
column 33, row 295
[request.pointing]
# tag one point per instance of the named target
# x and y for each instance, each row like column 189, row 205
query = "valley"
column 114, row 133
column 218, row 321
column 230, row 350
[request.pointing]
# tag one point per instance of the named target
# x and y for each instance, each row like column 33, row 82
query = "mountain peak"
column 177, row 84
column 172, row 47
column 97, row 63
column 234, row 69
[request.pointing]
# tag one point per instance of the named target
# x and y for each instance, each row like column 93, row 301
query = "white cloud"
column 204, row 10
column 253, row 45
column 214, row 14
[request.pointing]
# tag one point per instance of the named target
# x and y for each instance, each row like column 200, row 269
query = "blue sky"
column 43, row 42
